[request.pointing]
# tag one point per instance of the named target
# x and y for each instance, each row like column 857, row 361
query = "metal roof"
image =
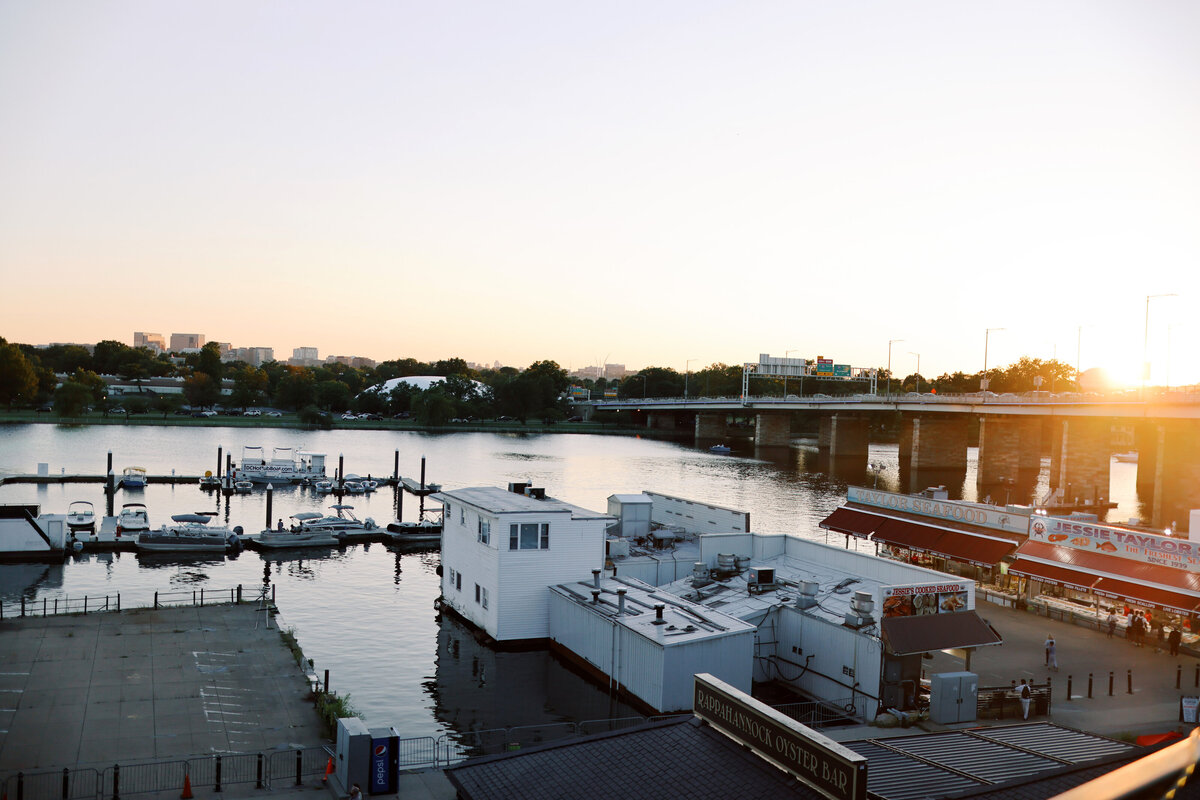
column 898, row 776
column 985, row 759
column 495, row 500
column 1066, row 744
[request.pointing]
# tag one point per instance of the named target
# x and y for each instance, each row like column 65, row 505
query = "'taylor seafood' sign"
column 1133, row 545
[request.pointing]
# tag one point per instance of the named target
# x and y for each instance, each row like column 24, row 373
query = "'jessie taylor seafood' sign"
column 916, row 600
column 1122, row 542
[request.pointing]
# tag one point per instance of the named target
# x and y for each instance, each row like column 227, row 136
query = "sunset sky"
column 662, row 183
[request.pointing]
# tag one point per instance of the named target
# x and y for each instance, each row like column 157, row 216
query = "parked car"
column 273, row 414
column 401, row 415
column 45, row 408
column 254, row 412
column 116, row 410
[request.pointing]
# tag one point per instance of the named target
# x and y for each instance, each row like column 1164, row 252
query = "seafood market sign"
column 919, row 599
column 1134, row 545
column 949, row 510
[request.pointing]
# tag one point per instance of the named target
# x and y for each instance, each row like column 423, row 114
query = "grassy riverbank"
column 293, row 421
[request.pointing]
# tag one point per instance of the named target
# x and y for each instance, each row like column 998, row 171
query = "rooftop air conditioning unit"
column 537, row 493
column 760, row 579
column 617, row 548
column 808, row 594
column 862, row 604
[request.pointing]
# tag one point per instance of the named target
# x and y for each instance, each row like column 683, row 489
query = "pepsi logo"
column 380, row 749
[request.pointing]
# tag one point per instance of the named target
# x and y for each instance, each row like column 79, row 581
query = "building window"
column 458, row 581
column 448, row 513
column 485, row 531
column 484, row 601
column 526, row 536
column 451, row 574
column 462, row 515
column 477, row 593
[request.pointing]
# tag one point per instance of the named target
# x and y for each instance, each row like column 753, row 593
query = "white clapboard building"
column 502, row 549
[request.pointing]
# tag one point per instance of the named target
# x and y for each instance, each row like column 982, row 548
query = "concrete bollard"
column 1110, row 683
column 1089, row 686
column 1129, row 682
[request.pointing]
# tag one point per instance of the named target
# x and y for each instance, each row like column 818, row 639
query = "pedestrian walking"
column 1051, row 653
column 1112, row 624
column 1174, row 639
column 1026, row 697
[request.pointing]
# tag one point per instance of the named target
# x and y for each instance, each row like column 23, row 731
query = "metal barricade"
column 290, row 767
column 120, row 780
column 420, row 751
column 64, row 784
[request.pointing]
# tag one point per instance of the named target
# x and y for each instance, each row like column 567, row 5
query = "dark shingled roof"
column 919, row 634
column 669, row 759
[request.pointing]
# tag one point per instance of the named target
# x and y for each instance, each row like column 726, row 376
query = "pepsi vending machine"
column 385, row 761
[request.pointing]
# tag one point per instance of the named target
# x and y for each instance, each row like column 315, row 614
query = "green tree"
column 249, row 386
column 18, row 378
column 71, row 398
column 208, row 361
column 332, row 395
column 433, row 406
column 296, row 389
column 201, row 390
column 108, row 355
column 166, row 403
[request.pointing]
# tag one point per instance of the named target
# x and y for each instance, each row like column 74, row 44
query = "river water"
column 366, row 612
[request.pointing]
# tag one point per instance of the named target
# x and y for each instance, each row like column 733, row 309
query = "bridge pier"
column 710, row 426
column 842, row 444
column 772, row 429
column 1009, row 457
column 1176, row 473
column 661, row 422
column 1079, row 459
column 1147, row 443
column 933, row 451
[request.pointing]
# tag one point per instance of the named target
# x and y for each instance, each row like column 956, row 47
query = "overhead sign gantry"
column 773, row 367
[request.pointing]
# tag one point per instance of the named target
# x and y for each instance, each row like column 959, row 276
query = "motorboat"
column 191, row 533
column 353, row 486
column 322, row 487
column 411, row 532
column 81, row 518
column 286, row 465
column 300, row 534
column 210, row 481
column 721, row 449
column 243, row 487
column 339, row 524
column 132, row 520
column 1130, row 457
column 133, row 478
column 369, row 484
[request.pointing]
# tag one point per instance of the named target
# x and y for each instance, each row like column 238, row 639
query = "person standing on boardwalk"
column 1051, row 653
column 1112, row 624
column 1026, row 696
column 1174, row 639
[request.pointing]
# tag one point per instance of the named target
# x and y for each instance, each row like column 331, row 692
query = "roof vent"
column 658, row 614
column 518, row 488
column 808, row 594
column 862, row 603
column 536, row 493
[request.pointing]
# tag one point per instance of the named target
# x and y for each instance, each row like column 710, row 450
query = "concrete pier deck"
column 99, row 689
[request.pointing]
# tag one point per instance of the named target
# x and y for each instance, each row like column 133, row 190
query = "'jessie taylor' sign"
column 832, row 769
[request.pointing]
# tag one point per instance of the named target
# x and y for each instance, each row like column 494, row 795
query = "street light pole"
column 1146, row 339
column 918, row 355
column 889, row 378
column 687, row 372
column 983, row 382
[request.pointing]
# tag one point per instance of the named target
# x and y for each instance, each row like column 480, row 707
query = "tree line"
column 69, row 378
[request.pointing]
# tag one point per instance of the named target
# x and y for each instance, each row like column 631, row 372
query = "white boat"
column 299, row 534
column 286, row 465
column 210, row 481
column 81, row 518
column 133, row 478
column 243, row 487
column 322, row 487
column 1130, row 457
column 132, row 520
column 369, row 485
column 344, row 523
column 190, row 533
column 353, row 487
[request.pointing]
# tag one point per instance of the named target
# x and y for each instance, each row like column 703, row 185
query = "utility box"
column 952, row 697
column 352, row 762
column 385, row 761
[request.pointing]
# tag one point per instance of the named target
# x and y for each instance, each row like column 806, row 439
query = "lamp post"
column 918, row 355
column 687, row 372
column 787, row 353
column 983, row 382
column 889, row 379
column 1146, row 339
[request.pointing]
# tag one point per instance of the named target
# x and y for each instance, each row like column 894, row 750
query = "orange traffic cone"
column 187, row 788
column 328, row 770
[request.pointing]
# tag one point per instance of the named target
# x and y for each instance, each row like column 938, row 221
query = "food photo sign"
column 921, row 599
column 1122, row 542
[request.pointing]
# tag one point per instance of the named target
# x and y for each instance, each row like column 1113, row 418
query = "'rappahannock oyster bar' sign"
column 831, row 768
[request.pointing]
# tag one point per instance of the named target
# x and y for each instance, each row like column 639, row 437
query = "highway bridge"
column 1080, row 433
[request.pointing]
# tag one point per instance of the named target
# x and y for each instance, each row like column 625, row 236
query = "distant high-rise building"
column 362, row 362
column 254, row 356
column 615, row 371
column 304, row 357
column 186, row 341
column 154, row 342
column 587, row 372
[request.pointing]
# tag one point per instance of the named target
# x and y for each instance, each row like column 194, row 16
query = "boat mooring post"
column 396, row 467
column 110, row 489
column 341, row 476
column 219, row 449
column 270, row 491
column 110, row 469
column 421, row 507
column 399, row 503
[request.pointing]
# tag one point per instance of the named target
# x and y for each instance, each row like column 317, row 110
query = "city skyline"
column 673, row 186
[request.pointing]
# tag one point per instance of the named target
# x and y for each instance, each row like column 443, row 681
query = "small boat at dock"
column 721, row 449
column 341, row 524
column 301, row 534
column 412, row 532
column 81, row 518
column 190, row 533
column 210, row 481
column 243, row 487
column 133, row 478
column 286, row 465
column 133, row 520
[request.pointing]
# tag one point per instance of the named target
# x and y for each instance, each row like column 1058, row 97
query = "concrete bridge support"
column 772, row 430
column 1009, row 457
column 1079, row 459
column 933, row 451
column 1146, row 441
column 1176, row 473
column 710, row 426
column 842, row 444
column 661, row 422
